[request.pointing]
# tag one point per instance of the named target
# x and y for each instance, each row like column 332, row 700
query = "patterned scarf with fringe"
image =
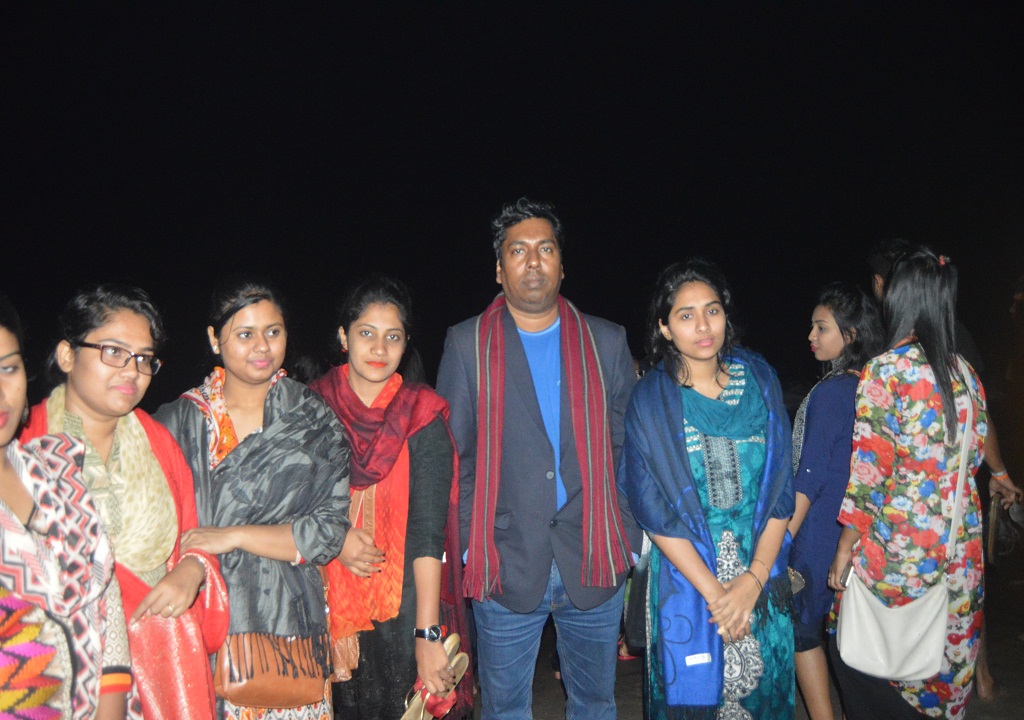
column 605, row 547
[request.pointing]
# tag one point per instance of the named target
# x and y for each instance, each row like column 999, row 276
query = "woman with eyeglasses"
column 142, row 487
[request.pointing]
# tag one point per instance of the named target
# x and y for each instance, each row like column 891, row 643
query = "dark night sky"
column 170, row 145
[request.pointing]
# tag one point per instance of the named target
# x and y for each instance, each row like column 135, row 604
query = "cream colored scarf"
column 130, row 491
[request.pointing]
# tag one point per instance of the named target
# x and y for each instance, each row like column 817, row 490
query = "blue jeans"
column 508, row 643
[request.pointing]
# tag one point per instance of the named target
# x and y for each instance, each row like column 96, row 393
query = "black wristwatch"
column 430, row 634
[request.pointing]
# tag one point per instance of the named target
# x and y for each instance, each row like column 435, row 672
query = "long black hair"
column 665, row 290
column 858, row 319
column 919, row 302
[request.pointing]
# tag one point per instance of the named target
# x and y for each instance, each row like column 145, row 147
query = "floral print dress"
column 903, row 481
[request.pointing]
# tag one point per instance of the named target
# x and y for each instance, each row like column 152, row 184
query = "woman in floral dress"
column 911, row 408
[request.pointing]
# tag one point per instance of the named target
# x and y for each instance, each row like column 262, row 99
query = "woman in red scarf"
column 397, row 579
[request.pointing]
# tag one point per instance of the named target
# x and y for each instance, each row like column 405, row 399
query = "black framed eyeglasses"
column 118, row 357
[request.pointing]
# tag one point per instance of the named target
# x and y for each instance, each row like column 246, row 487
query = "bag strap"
column 954, row 525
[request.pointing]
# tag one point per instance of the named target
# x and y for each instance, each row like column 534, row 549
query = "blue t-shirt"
column 544, row 355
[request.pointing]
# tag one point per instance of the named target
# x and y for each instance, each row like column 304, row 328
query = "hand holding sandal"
column 420, row 704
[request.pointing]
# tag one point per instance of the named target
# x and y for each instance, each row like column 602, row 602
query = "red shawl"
column 605, row 547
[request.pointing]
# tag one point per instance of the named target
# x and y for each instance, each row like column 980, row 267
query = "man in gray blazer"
column 537, row 393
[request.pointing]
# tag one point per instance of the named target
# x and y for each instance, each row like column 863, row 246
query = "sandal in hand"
column 420, row 704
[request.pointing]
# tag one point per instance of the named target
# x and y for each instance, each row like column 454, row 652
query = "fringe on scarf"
column 779, row 594
column 253, row 654
column 691, row 712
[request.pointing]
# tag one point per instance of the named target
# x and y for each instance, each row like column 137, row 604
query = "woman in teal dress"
column 706, row 467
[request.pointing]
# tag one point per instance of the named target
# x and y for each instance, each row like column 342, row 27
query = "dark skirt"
column 866, row 697
column 386, row 672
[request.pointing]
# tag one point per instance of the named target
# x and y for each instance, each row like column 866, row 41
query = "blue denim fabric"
column 508, row 643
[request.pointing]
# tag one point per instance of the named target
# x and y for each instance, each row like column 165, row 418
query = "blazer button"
column 551, row 475
column 553, row 523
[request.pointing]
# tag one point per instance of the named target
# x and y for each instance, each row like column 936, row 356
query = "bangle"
column 760, row 587
column 199, row 559
column 999, row 473
column 758, row 560
column 299, row 560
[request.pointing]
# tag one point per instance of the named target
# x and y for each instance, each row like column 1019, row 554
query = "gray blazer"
column 529, row 533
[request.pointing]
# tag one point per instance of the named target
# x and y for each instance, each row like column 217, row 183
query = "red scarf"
column 376, row 434
column 605, row 548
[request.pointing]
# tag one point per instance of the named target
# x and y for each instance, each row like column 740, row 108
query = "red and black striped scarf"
column 605, row 548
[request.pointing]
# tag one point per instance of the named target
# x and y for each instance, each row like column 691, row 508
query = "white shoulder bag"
column 906, row 642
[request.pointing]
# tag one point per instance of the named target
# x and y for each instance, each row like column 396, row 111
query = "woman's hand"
column 839, row 563
column 361, row 556
column 432, row 667
column 213, row 540
column 1005, row 488
column 175, row 593
column 732, row 610
column 112, row 706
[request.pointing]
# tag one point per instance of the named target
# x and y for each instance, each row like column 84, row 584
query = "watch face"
column 431, row 634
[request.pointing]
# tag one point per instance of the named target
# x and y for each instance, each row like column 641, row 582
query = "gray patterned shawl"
column 294, row 471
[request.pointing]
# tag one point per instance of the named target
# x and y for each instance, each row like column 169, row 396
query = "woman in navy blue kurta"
column 845, row 332
column 822, row 472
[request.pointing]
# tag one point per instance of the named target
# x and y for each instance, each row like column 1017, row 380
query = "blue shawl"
column 655, row 476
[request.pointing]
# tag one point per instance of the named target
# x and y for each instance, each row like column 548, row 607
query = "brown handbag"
column 269, row 671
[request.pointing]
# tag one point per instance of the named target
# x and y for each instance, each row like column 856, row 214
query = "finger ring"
column 450, row 668
column 170, row 607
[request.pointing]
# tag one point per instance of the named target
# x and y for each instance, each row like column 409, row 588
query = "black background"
column 171, row 145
